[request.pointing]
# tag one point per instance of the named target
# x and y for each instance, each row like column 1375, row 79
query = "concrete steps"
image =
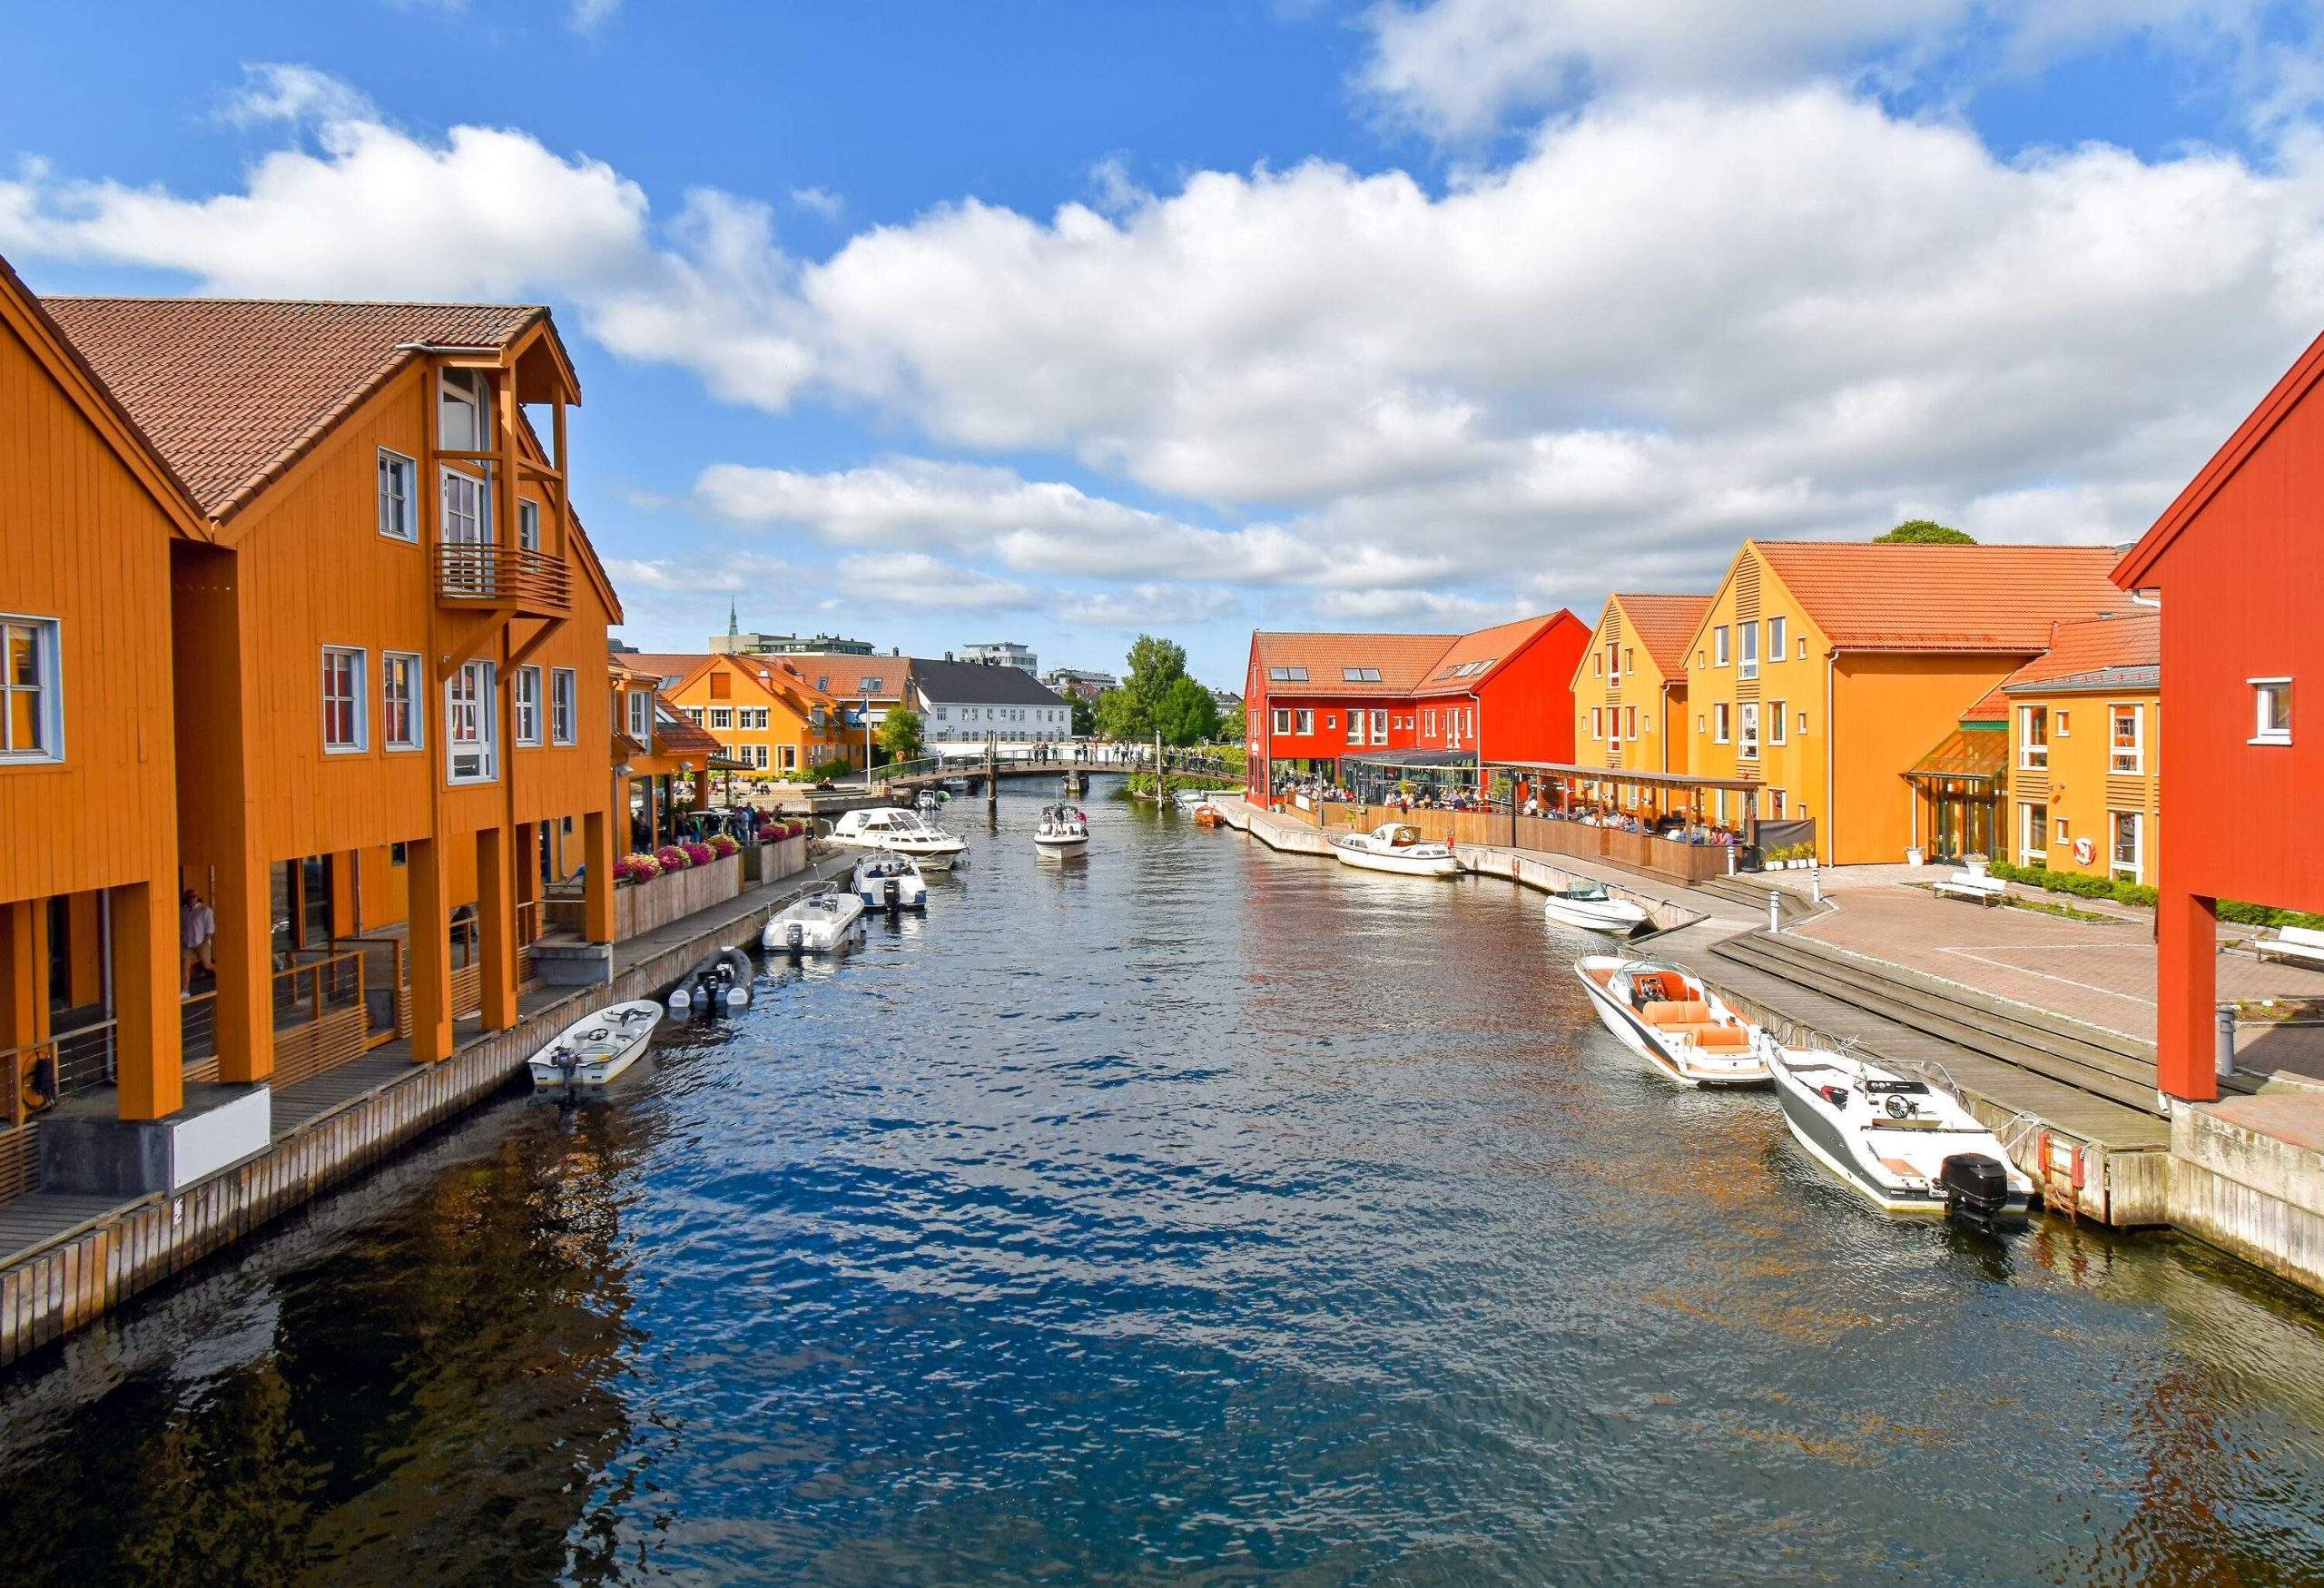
column 1745, row 888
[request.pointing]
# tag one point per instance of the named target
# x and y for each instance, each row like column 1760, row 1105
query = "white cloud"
column 734, row 572
column 277, row 90
column 1146, row 607
column 914, row 578
column 820, row 200
column 588, row 16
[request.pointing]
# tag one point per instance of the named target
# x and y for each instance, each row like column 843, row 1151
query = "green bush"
column 2138, row 894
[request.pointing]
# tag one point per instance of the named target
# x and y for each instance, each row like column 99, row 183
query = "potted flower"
column 722, row 845
column 673, row 859
column 636, row 868
column 698, row 853
column 1976, row 863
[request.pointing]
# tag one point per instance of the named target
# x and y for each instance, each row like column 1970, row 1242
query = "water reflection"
column 1189, row 1211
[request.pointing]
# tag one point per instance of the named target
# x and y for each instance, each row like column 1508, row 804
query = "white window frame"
column 564, row 706
column 357, row 697
column 1746, row 735
column 1777, row 719
column 1597, row 723
column 471, row 723
column 640, row 716
column 527, row 707
column 399, row 497
column 1778, row 636
column 2034, row 832
column 1719, row 645
column 2131, row 762
column 2061, row 831
column 466, row 389
column 410, row 665
column 1379, row 727
column 1282, row 724
column 1748, row 662
column 790, row 757
column 2270, row 727
column 47, row 690
column 1722, row 722
column 481, row 517
column 1303, row 721
column 1354, row 726
column 2135, row 868
column 722, row 716
column 2031, row 756
column 529, row 525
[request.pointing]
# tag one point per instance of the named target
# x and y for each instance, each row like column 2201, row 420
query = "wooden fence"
column 1665, row 857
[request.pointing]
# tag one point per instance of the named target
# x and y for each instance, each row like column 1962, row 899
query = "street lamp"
column 867, row 741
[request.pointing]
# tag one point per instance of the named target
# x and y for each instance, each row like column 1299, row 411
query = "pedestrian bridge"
column 1078, row 763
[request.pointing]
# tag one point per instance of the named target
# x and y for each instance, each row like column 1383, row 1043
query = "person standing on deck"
column 197, row 925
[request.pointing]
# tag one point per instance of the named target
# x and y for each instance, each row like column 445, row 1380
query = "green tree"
column 1085, row 718
column 1119, row 716
column 1186, row 715
column 901, row 735
column 1923, row 532
column 1155, row 665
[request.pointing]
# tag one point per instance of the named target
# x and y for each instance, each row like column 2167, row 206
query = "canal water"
column 1186, row 1213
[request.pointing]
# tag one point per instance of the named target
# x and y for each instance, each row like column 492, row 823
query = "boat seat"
column 1693, row 1014
column 1897, row 1166
column 1710, row 1034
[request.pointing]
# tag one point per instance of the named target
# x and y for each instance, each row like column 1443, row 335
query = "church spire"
column 733, row 625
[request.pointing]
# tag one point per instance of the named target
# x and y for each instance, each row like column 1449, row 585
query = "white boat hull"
column 1676, row 1060
column 1842, row 1149
column 821, row 928
column 1400, row 865
column 1618, row 917
column 596, row 1049
column 1062, row 841
column 912, row 891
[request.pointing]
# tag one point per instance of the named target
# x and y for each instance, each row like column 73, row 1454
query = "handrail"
column 499, row 575
column 335, row 981
column 16, row 1064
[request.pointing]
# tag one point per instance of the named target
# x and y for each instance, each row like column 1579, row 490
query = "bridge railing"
column 1065, row 756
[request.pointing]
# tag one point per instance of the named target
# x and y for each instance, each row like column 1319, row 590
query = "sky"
column 933, row 323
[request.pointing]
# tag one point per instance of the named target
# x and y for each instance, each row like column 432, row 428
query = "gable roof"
column 667, row 665
column 676, row 735
column 842, row 674
column 232, row 391
column 1664, row 625
column 1475, row 657
column 979, row 683
column 2256, row 428
column 1867, row 596
column 767, row 675
column 85, row 389
column 1404, row 660
column 2123, row 652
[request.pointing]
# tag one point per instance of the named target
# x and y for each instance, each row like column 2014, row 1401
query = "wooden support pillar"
column 149, row 1031
column 702, row 788
column 597, row 883
column 495, row 925
column 24, row 974
column 243, row 948
column 85, row 958
column 653, row 813
column 2187, row 985
column 431, row 951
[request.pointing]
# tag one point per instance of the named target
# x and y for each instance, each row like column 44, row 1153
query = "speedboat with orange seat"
column 1669, row 1019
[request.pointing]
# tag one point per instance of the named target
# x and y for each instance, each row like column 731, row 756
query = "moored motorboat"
column 885, row 880
column 1209, row 815
column 1393, row 846
column 902, row 830
column 1062, row 829
column 596, row 1048
column 819, row 923
column 1905, row 1144
column 1672, row 1021
column 723, row 978
column 1589, row 905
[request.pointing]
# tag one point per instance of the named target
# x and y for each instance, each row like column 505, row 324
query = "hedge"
column 2089, row 887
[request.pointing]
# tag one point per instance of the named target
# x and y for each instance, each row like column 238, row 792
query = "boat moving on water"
column 1063, row 830
column 1590, row 907
column 904, row 832
column 890, row 882
column 596, row 1048
column 1394, row 847
column 1672, row 1021
column 822, row 921
column 1908, row 1145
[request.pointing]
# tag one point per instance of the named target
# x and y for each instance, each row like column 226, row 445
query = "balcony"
column 477, row 574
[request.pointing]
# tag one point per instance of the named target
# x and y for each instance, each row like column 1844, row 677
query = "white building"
column 1005, row 653
column 964, row 705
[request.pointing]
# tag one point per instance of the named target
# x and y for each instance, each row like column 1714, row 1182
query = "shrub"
column 836, row 768
column 673, row 859
column 2139, row 894
column 698, row 853
column 722, row 845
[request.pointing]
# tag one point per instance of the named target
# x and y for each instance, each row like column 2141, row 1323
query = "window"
column 1776, row 719
column 1360, row 675
column 1776, row 642
column 1719, row 716
column 2064, row 834
column 2126, row 738
column 754, row 757
column 1287, row 675
column 1282, row 720
column 399, row 497
column 564, row 706
column 470, row 728
column 1597, row 662
column 2061, row 723
column 2271, row 711
column 791, row 758
column 722, row 716
column 1304, row 721
column 1629, row 730
column 344, row 728
column 32, row 713
column 1803, row 724
column 468, row 517
column 1430, row 721
column 529, row 706
column 1598, row 722
column 2032, row 835
column 463, row 418
column 2034, row 737
column 402, row 722
column 1355, row 727
column 2128, row 860
column 1629, row 657
column 1718, row 645
column 1749, row 635
column 528, row 525
column 1750, row 727
column 1379, row 727
column 641, row 717
column 752, row 716
column 1775, row 796
column 1614, row 664
column 696, row 715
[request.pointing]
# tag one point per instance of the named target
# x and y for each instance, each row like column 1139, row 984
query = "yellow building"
column 2085, row 724
column 1629, row 692
column 766, row 715
column 1822, row 672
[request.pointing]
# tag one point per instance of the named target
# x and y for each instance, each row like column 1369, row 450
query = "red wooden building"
column 2235, row 564
column 1503, row 694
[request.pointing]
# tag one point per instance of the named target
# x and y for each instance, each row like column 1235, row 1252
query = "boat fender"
column 738, row 970
column 680, row 998
column 2080, row 1167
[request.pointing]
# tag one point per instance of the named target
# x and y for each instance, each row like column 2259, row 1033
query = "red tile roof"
column 2119, row 647
column 1664, row 625
column 231, row 391
column 1404, row 660
column 847, row 673
column 1869, row 596
column 1993, row 706
column 663, row 664
column 1480, row 653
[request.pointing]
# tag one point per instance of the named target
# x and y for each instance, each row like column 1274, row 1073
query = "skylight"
column 1360, row 675
column 1287, row 675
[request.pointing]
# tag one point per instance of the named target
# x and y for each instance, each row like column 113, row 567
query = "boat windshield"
column 1902, row 1087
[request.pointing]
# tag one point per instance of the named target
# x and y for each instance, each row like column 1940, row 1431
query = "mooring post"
column 2227, row 1039
column 1775, row 911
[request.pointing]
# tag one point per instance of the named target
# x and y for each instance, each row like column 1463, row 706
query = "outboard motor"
column 794, row 938
column 1975, row 1188
column 891, row 895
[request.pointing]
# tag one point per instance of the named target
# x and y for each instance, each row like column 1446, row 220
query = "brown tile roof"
column 233, row 391
column 1991, row 708
column 674, row 733
column 2119, row 650
column 1664, row 625
column 847, row 673
column 767, row 675
column 1404, row 660
column 663, row 664
column 1867, row 596
column 1481, row 651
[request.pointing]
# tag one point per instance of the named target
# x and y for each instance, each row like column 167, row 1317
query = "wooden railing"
column 493, row 575
column 320, row 1016
column 19, row 1132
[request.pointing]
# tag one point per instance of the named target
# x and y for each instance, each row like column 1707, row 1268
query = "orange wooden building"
column 388, row 646
column 89, row 518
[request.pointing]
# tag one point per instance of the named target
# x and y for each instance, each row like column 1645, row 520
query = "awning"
column 1965, row 755
column 1623, row 775
column 1410, row 758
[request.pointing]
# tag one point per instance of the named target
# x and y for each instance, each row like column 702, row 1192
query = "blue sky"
column 935, row 323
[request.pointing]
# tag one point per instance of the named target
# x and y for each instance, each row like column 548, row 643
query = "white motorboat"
column 1062, row 830
column 1908, row 1145
column 905, row 831
column 1672, row 1021
column 885, row 880
column 1394, row 847
column 820, row 924
column 1188, row 799
column 596, row 1048
column 1589, row 906
column 931, row 801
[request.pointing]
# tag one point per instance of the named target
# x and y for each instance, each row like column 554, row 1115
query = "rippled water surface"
column 1189, row 1213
